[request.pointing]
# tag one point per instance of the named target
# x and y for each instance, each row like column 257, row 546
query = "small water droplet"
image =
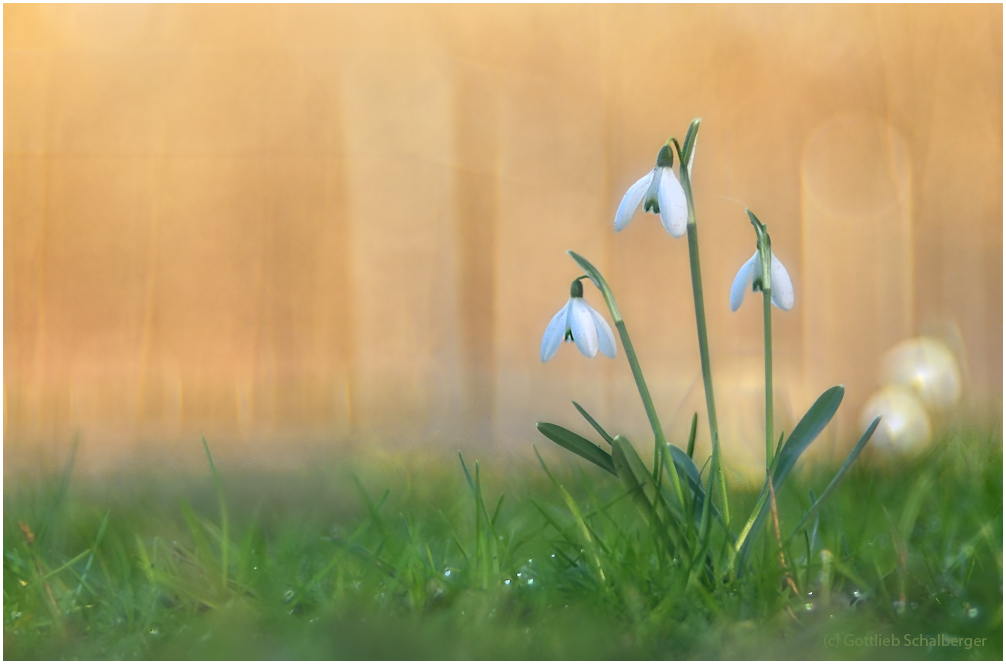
column 447, row 572
column 518, row 573
column 507, row 582
column 972, row 612
column 856, row 594
column 154, row 631
column 809, row 606
column 530, row 582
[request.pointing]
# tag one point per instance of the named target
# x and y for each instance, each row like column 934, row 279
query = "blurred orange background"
column 306, row 227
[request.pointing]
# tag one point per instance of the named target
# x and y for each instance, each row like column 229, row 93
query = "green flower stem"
column 768, row 378
column 637, row 372
column 717, row 476
column 765, row 285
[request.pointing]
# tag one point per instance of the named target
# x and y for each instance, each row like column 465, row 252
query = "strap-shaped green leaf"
column 578, row 445
column 809, row 427
column 685, row 463
column 640, row 483
column 592, row 422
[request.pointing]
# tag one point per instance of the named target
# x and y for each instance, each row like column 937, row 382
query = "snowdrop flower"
column 660, row 193
column 782, row 287
column 578, row 322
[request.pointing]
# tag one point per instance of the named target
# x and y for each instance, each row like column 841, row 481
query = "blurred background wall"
column 306, row 227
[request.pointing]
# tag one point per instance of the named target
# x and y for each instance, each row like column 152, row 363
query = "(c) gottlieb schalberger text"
column 835, row 640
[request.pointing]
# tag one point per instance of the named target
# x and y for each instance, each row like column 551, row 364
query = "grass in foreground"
column 376, row 562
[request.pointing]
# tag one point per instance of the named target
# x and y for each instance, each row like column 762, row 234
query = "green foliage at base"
column 367, row 562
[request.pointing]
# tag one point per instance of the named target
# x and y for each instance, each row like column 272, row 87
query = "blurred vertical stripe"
column 274, row 224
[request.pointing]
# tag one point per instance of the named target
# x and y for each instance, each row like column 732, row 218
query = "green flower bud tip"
column 665, row 158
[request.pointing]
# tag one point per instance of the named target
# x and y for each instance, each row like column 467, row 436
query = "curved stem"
column 637, row 371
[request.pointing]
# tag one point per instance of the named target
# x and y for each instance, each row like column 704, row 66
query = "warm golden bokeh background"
column 295, row 227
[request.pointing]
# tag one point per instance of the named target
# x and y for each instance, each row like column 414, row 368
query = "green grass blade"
column 468, row 476
column 691, row 435
column 585, row 530
column 76, row 559
column 496, row 512
column 597, row 427
column 90, row 559
column 577, row 445
column 373, row 509
column 224, row 521
column 64, row 486
column 838, row 476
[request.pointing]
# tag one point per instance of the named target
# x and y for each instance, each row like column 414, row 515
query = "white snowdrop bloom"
column 904, row 426
column 782, row 287
column 660, row 193
column 579, row 323
column 926, row 365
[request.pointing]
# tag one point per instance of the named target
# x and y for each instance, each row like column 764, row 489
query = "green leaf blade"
column 578, row 445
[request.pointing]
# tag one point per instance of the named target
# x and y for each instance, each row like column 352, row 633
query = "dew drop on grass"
column 447, row 572
column 809, row 606
column 506, row 582
column 972, row 612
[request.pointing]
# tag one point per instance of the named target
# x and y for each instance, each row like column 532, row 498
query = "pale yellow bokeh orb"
column 927, row 366
column 904, row 426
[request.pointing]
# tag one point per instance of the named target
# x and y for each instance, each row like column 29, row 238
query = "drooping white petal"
column 742, row 282
column 605, row 338
column 782, row 287
column 581, row 324
column 554, row 333
column 673, row 206
column 633, row 197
